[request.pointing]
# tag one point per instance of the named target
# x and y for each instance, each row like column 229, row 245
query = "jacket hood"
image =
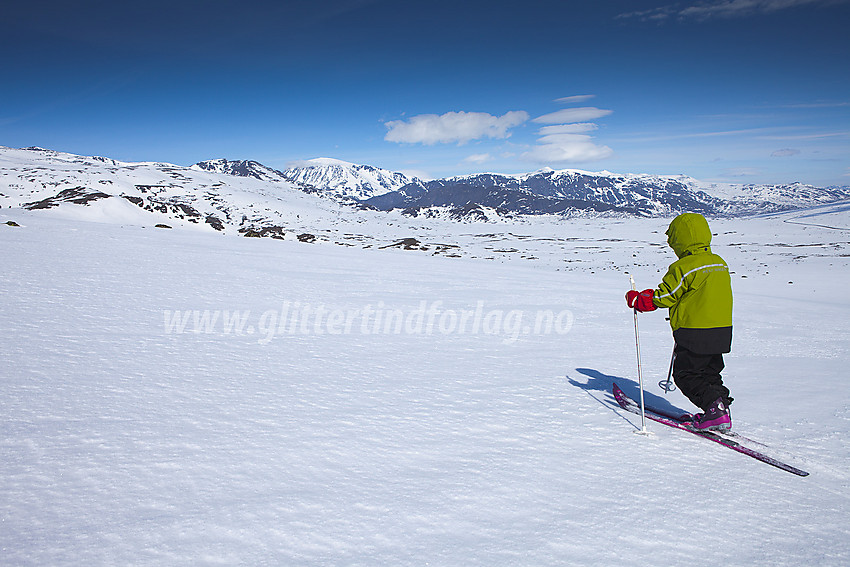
column 688, row 234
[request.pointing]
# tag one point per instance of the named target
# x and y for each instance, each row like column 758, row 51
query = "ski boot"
column 716, row 417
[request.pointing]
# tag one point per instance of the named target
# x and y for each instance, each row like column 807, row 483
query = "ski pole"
column 668, row 385
column 643, row 430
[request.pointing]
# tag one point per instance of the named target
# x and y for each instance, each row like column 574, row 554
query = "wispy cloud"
column 741, row 172
column 453, row 127
column 579, row 128
column 574, row 99
column 763, row 133
column 787, row 152
column 815, row 105
column 478, row 158
column 720, row 9
column 811, row 136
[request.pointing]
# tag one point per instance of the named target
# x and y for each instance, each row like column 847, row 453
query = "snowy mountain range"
column 251, row 198
column 480, row 196
column 345, row 182
column 178, row 398
column 554, row 192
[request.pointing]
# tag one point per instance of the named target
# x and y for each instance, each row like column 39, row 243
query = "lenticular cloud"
column 566, row 140
column 566, row 148
column 570, row 115
column 451, row 127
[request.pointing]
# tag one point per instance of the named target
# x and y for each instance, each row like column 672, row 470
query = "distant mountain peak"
column 345, row 181
column 241, row 168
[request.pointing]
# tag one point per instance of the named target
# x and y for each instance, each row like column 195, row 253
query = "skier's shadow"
column 604, row 382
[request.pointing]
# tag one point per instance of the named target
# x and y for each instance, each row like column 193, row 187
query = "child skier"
column 697, row 290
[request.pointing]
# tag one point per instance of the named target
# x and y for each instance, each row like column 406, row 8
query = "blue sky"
column 745, row 91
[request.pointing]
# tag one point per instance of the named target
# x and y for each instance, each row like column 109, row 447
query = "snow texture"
column 189, row 397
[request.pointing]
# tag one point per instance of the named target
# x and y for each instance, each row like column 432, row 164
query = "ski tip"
column 621, row 398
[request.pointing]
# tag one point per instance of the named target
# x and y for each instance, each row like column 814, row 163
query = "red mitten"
column 641, row 301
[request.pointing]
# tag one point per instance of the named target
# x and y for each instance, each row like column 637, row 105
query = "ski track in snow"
column 125, row 443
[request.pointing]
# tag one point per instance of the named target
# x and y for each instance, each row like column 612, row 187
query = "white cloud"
column 564, row 138
column 478, row 158
column 417, row 173
column 460, row 127
column 569, row 115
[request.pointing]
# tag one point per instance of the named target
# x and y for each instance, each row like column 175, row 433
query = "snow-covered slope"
column 753, row 198
column 175, row 398
column 153, row 193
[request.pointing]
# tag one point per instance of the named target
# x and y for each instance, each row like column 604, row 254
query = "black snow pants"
column 698, row 377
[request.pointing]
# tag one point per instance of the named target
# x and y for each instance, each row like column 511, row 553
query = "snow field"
column 123, row 443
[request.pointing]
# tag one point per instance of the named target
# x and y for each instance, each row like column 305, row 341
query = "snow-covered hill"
column 159, row 193
column 753, row 198
column 178, row 398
